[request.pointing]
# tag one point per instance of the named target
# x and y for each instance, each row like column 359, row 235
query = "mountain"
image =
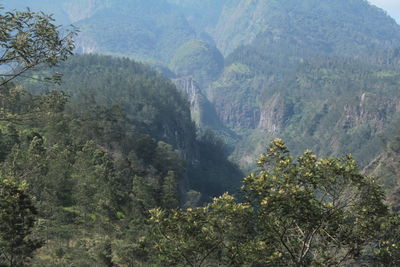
column 150, row 30
column 198, row 59
column 287, row 64
column 95, row 153
column 284, row 64
column 330, row 106
column 271, row 46
column 149, row 100
column 203, row 15
column 338, row 26
column 153, row 29
column 119, row 156
column 154, row 107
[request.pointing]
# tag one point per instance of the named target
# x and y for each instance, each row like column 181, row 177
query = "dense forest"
column 83, row 162
column 95, row 166
column 178, row 160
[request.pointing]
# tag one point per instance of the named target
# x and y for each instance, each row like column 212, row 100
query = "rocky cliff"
column 190, row 88
column 202, row 112
column 329, row 106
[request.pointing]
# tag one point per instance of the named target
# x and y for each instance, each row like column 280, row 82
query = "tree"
column 315, row 211
column 205, row 236
column 28, row 40
column 94, row 188
column 304, row 212
column 170, row 192
column 387, row 250
column 17, row 219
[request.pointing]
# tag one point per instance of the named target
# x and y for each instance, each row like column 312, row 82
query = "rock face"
column 237, row 115
column 202, row 112
column 373, row 109
column 189, row 86
column 233, row 96
column 274, row 115
column 332, row 108
column 270, row 117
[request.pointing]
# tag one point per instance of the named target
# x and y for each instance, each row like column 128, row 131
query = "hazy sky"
column 391, row 6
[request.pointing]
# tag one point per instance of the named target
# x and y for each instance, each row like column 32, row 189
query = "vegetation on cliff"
column 107, row 167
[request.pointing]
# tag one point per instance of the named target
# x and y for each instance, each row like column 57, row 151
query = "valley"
column 168, row 104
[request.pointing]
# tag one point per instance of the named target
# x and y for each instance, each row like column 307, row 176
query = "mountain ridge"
column 267, row 47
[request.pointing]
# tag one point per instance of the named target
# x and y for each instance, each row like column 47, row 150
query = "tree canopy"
column 28, row 40
column 303, row 212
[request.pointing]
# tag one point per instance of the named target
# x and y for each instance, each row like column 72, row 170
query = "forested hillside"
column 150, row 30
column 153, row 106
column 114, row 140
column 340, row 26
column 132, row 151
column 299, row 61
column 153, row 30
column 332, row 106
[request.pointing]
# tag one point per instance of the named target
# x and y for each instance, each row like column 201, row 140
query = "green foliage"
column 28, row 40
column 206, row 179
column 268, row 56
column 124, row 142
column 17, row 221
column 154, row 106
column 202, row 236
column 304, row 212
column 198, row 59
column 84, row 188
column 149, row 100
column 387, row 251
column 328, row 208
column 97, row 161
column 192, row 199
column 170, row 191
column 332, row 106
column 386, row 166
